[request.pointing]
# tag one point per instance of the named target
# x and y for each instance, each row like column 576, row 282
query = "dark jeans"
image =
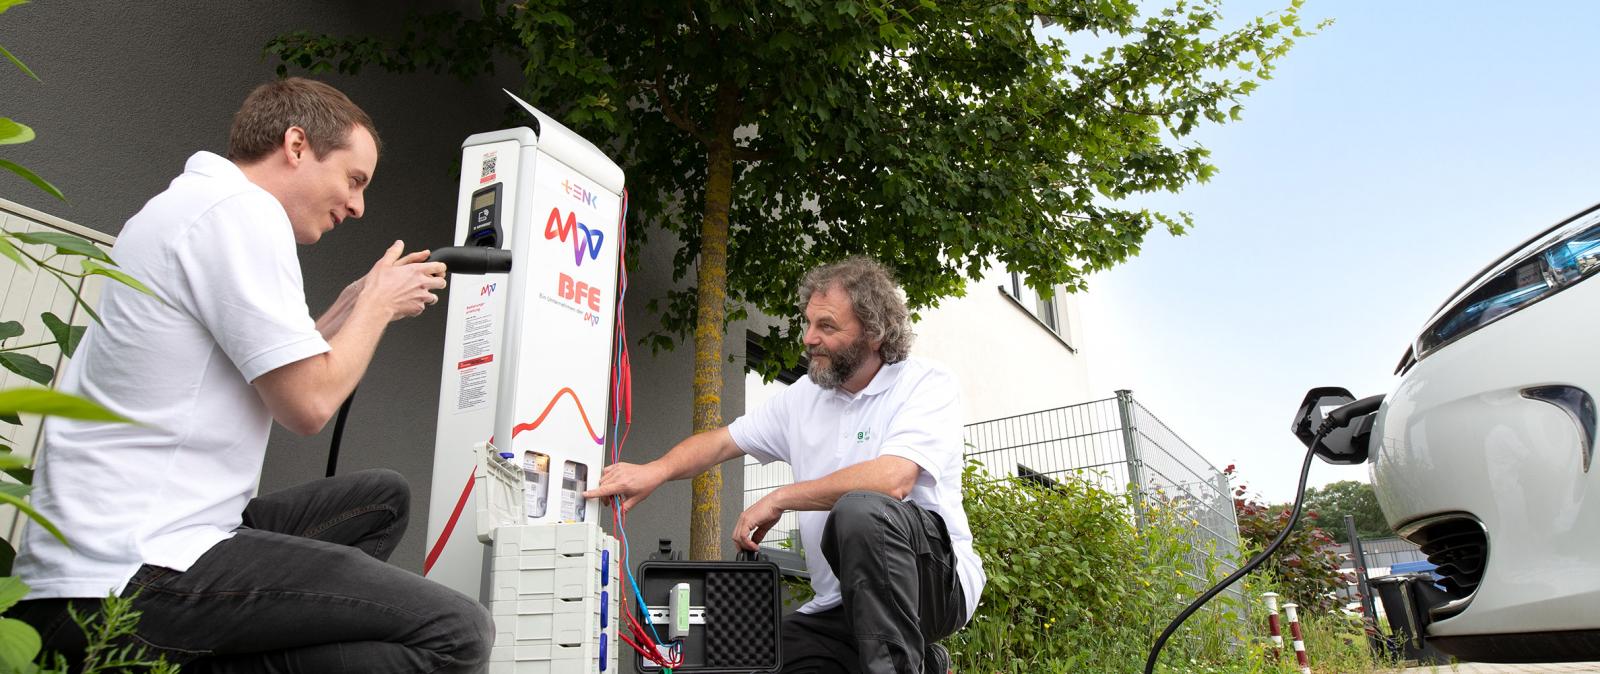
column 301, row 587
column 901, row 594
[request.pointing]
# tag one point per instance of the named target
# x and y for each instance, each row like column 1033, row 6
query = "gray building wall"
column 130, row 90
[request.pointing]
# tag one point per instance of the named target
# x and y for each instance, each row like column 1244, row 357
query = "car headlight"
column 1550, row 263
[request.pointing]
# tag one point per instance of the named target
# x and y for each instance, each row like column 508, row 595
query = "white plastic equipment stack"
column 553, row 587
column 527, row 366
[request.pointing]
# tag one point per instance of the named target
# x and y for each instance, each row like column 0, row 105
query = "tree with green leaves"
column 1348, row 497
column 941, row 137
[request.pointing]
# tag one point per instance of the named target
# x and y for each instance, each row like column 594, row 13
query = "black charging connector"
column 1342, row 416
column 472, row 259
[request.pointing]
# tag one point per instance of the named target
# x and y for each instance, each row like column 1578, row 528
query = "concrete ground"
column 1485, row 668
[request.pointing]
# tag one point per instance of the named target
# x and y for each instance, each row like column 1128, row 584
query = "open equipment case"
column 725, row 616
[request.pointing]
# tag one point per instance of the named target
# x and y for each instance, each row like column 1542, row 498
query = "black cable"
column 457, row 259
column 338, row 435
column 1300, row 494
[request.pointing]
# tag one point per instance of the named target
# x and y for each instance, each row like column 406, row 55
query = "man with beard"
column 875, row 441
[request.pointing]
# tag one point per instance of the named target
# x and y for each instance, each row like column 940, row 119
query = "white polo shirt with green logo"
column 911, row 409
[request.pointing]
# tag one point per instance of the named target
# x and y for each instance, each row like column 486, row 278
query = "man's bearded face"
column 831, row 367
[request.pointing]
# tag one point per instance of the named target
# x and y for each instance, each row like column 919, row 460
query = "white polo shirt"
column 220, row 253
column 911, row 409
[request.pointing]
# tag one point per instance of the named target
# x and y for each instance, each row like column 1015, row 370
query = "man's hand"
column 403, row 285
column 756, row 521
column 630, row 481
column 354, row 289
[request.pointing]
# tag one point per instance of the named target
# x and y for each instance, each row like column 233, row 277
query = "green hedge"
column 1075, row 585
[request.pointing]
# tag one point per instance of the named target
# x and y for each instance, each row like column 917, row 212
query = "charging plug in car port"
column 1339, row 425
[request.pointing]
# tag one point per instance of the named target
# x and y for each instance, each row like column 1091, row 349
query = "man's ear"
column 295, row 145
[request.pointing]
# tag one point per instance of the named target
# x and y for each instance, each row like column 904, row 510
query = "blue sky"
column 1391, row 157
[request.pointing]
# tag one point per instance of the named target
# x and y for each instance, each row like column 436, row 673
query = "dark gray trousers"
column 301, row 587
column 901, row 594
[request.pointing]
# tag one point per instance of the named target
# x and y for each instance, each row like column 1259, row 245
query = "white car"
column 1484, row 454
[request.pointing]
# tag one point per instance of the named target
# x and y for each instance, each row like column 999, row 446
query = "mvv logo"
column 584, row 240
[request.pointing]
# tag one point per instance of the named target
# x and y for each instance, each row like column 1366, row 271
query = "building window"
column 1046, row 309
column 754, row 355
column 1026, row 474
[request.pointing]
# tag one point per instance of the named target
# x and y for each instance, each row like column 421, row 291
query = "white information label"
column 477, row 352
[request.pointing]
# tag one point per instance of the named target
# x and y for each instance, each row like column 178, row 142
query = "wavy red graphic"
column 461, row 502
column 581, row 413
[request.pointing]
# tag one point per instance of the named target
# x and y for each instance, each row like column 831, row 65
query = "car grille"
column 1459, row 547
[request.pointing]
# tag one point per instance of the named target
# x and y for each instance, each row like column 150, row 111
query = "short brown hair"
column 326, row 115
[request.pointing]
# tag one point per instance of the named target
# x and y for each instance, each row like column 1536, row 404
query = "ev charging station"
column 524, row 397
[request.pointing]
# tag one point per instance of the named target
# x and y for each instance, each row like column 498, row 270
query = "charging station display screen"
column 483, row 222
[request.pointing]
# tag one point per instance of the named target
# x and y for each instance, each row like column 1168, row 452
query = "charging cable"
column 1336, row 419
column 338, row 435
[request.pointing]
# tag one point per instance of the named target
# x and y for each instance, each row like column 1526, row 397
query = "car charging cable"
column 475, row 260
column 1339, row 418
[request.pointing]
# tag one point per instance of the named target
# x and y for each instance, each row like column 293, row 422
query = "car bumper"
column 1459, row 439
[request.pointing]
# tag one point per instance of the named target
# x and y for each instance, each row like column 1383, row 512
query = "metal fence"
column 1114, row 443
column 1118, row 445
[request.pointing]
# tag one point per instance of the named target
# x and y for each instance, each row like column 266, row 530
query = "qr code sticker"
column 488, row 165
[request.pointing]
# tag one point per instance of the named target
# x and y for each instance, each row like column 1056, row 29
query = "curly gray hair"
column 873, row 295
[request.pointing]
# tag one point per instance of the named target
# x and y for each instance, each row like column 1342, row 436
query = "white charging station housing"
column 527, row 368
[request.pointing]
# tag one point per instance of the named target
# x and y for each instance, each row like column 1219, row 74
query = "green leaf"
column 56, row 404
column 14, row 493
column 20, row 65
column 28, row 366
column 29, row 176
column 67, row 336
column 10, row 251
column 66, row 244
column 97, row 269
column 8, row 4
column 12, row 590
column 9, row 329
column 19, row 645
column 21, row 474
column 13, row 132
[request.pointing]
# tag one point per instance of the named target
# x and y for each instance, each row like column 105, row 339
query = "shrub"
column 1076, row 585
column 1306, row 567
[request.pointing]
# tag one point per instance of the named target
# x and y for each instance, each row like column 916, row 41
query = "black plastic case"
column 743, row 602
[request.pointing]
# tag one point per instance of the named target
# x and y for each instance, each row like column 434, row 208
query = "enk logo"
column 578, row 192
column 584, row 240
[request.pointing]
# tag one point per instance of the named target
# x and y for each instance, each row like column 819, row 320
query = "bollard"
column 1299, row 641
column 1272, row 625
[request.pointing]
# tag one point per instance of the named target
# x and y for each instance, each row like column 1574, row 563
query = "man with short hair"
column 161, row 509
column 875, row 441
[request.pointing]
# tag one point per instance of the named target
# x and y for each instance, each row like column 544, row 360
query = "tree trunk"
column 711, row 294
